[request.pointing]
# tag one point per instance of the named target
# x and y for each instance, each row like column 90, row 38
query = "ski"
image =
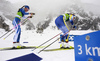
column 58, row 49
column 26, row 47
column 47, row 41
column 53, row 42
column 13, row 28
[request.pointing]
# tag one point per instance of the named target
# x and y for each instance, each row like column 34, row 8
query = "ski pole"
column 5, row 33
column 46, row 41
column 52, row 42
column 10, row 30
column 9, row 34
column 14, row 30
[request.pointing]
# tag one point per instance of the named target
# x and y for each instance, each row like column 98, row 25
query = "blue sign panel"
column 71, row 37
column 87, row 47
column 28, row 57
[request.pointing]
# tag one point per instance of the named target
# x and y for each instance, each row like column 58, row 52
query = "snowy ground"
column 35, row 39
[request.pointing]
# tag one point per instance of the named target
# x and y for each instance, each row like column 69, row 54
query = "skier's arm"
column 25, row 13
column 71, row 21
column 24, row 17
column 27, row 17
column 73, row 25
column 32, row 13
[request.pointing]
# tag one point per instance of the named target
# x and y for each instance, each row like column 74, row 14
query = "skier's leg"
column 62, row 41
column 19, row 33
column 66, row 41
column 59, row 23
column 17, row 30
column 65, row 30
column 16, row 38
column 66, row 38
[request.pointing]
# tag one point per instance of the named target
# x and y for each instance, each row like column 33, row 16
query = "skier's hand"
column 74, row 27
column 32, row 13
column 29, row 16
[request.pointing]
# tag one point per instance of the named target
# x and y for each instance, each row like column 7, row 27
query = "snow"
column 35, row 39
column 99, row 25
column 8, row 22
column 67, row 55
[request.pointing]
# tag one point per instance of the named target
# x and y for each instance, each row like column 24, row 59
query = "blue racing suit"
column 16, row 21
column 61, row 24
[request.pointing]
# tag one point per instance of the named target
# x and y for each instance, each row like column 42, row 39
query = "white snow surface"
column 35, row 39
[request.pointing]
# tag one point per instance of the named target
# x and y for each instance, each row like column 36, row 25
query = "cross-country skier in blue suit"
column 61, row 22
column 20, row 15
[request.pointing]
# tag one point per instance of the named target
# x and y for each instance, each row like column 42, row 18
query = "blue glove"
column 29, row 16
column 74, row 27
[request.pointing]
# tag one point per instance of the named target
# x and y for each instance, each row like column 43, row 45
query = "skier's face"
column 73, row 18
column 26, row 9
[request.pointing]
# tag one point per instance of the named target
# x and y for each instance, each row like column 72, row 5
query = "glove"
column 29, row 16
column 32, row 13
column 74, row 26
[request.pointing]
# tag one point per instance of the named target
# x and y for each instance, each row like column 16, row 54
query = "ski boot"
column 17, row 45
column 69, row 47
column 62, row 45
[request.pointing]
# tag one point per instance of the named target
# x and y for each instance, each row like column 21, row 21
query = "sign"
column 87, row 47
column 28, row 57
column 71, row 37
